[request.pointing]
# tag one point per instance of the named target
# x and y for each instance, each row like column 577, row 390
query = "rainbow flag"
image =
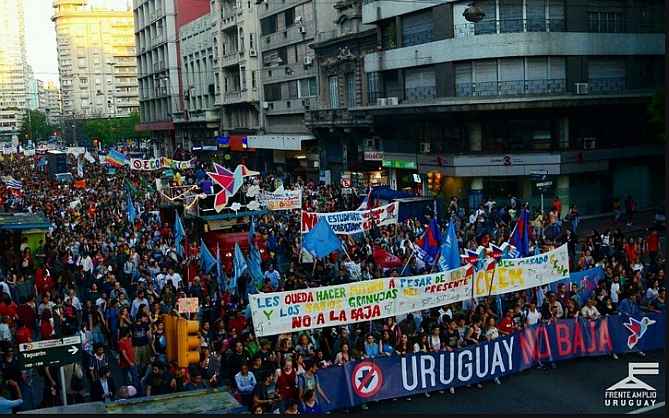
column 116, row 158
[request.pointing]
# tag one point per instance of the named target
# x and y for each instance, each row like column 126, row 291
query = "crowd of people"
column 97, row 275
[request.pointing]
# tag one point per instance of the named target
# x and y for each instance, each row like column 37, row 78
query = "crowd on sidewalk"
column 110, row 281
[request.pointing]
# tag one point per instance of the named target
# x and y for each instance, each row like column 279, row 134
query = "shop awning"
column 279, row 142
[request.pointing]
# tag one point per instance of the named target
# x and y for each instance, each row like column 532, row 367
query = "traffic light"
column 188, row 342
column 437, row 178
column 430, row 180
column 170, row 322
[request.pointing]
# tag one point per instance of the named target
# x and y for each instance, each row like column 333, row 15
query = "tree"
column 655, row 113
column 126, row 128
column 99, row 128
column 34, row 126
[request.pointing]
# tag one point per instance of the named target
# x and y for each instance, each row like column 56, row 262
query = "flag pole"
column 407, row 263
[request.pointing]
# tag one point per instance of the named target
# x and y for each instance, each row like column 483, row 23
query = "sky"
column 41, row 35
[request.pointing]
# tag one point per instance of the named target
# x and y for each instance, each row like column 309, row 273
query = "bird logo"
column 638, row 328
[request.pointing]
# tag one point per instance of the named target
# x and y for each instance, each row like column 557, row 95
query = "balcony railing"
column 421, row 93
column 503, row 88
column 606, row 85
column 509, row 26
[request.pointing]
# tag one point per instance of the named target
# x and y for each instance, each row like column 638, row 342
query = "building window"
column 268, row 25
column 333, row 84
column 307, row 87
column 417, row 29
column 253, row 80
column 272, row 92
column 350, row 89
column 606, row 22
column 373, row 90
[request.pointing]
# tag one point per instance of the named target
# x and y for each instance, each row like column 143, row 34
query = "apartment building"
column 157, row 37
column 53, row 110
column 96, row 61
column 289, row 80
column 554, row 85
column 15, row 73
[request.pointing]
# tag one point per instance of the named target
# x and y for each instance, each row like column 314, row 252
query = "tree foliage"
column 110, row 131
column 34, row 126
column 655, row 113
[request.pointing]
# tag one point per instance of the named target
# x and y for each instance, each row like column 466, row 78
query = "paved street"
column 576, row 386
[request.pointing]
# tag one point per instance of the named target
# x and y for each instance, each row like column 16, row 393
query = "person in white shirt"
column 174, row 276
column 616, row 290
column 532, row 315
column 590, row 310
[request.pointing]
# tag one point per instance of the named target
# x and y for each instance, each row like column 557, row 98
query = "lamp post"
column 473, row 14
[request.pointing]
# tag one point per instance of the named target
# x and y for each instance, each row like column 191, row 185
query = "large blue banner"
column 390, row 377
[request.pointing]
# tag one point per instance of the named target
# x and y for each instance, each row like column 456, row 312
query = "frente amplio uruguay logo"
column 632, row 391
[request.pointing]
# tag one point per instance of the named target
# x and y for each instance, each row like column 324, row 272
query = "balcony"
column 508, row 26
column 503, row 88
column 230, row 59
column 336, row 118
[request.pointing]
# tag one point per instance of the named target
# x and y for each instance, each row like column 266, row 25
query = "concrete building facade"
column 96, row 61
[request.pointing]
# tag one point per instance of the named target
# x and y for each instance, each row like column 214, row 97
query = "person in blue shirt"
column 6, row 405
column 629, row 306
column 372, row 349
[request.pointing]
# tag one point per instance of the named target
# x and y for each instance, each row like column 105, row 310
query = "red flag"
column 385, row 259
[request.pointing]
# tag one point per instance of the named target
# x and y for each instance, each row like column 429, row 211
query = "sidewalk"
column 643, row 221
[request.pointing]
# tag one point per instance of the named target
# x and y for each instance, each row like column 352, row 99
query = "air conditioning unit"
column 253, row 53
column 265, row 105
column 303, row 29
column 308, row 60
column 589, row 143
column 580, row 88
column 370, row 143
column 382, row 101
column 424, row 147
column 393, row 101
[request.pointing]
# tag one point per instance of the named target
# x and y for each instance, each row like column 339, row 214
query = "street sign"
column 50, row 352
column 538, row 175
column 545, row 186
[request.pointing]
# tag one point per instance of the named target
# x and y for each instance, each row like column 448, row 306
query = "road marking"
column 647, row 408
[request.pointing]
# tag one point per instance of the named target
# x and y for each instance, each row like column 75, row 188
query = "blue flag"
column 450, row 251
column 520, row 237
column 207, row 260
column 132, row 213
column 257, row 277
column 321, row 240
column 42, row 161
column 238, row 267
column 179, row 234
column 430, row 242
column 219, row 269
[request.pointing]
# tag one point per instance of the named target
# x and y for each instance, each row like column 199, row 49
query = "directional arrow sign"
column 50, row 352
column 538, row 175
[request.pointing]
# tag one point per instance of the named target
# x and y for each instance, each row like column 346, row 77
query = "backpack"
column 77, row 383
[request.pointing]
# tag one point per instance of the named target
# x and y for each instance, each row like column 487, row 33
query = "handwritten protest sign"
column 188, row 305
column 278, row 312
column 353, row 222
column 286, row 200
column 160, row 163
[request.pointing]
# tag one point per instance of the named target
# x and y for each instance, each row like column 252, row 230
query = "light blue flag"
column 207, row 260
column 256, row 278
column 42, row 161
column 238, row 267
column 321, row 240
column 132, row 213
column 450, row 251
column 219, row 269
column 179, row 234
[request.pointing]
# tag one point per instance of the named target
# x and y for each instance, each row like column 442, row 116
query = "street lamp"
column 473, row 14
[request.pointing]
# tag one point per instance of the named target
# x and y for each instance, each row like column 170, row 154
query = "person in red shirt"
column 127, row 359
column 22, row 334
column 238, row 322
column 28, row 312
column 506, row 325
column 8, row 309
column 43, row 281
column 653, row 245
